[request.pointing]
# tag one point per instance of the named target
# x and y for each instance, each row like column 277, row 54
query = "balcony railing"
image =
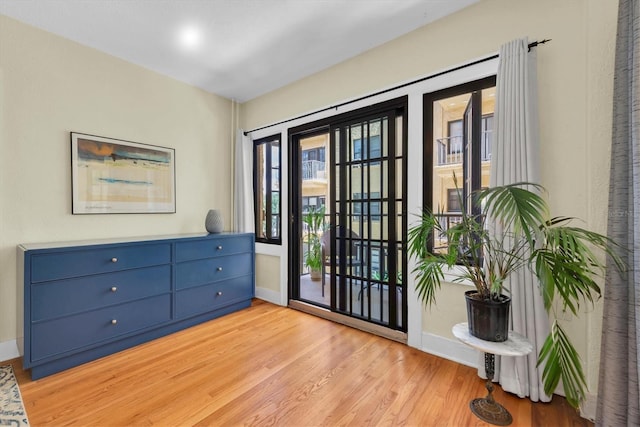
column 312, row 170
column 450, row 151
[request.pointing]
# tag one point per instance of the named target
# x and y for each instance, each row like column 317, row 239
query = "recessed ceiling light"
column 190, row 37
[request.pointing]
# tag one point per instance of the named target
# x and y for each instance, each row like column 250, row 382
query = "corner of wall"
column 268, row 295
column 9, row 350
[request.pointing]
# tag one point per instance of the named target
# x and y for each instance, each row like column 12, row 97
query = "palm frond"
column 429, row 275
column 429, row 270
column 562, row 361
column 516, row 207
column 578, row 242
column 420, row 233
column 567, row 265
column 543, row 262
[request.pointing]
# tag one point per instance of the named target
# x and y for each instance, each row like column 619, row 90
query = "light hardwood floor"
column 270, row 365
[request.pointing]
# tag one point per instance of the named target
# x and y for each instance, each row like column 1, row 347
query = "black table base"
column 486, row 408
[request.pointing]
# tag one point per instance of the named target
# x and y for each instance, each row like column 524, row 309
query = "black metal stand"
column 486, row 408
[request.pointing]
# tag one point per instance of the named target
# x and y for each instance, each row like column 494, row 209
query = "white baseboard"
column 8, row 350
column 449, row 349
column 268, row 295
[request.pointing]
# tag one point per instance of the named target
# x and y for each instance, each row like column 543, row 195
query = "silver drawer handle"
column 114, row 321
column 114, row 259
column 219, row 268
column 219, row 293
column 114, row 289
column 219, row 248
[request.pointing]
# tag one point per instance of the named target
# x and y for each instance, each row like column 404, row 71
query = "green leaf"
column 567, row 266
column 428, row 277
column 420, row 233
column 517, row 208
column 429, row 269
column 562, row 361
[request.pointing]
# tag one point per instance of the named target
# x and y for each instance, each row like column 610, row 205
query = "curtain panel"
column 243, row 217
column 515, row 158
column 618, row 384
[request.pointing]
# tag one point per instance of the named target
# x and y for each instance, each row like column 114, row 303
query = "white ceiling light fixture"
column 190, row 37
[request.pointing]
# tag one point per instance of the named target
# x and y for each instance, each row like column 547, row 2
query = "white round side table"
column 486, row 408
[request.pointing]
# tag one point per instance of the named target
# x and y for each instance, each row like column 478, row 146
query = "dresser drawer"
column 207, row 248
column 63, row 265
column 73, row 332
column 64, row 297
column 201, row 272
column 210, row 297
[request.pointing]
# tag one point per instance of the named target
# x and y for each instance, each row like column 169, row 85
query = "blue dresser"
column 84, row 300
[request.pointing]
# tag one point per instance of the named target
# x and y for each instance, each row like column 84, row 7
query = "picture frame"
column 114, row 176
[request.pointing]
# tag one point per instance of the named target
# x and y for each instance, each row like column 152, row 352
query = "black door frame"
column 295, row 134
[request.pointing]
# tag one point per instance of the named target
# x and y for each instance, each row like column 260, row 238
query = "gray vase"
column 213, row 222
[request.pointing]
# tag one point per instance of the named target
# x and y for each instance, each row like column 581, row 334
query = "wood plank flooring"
column 270, row 365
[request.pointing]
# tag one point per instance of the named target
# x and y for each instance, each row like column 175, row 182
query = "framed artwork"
column 114, row 176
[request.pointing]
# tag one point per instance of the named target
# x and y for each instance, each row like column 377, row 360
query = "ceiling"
column 239, row 49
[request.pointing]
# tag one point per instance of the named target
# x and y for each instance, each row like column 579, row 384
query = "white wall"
column 49, row 87
column 575, row 80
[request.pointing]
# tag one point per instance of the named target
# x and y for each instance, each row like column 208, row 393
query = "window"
column 367, row 151
column 453, row 200
column 487, row 137
column 267, row 207
column 458, row 127
column 316, row 202
column 365, row 202
column 455, row 137
column 313, row 154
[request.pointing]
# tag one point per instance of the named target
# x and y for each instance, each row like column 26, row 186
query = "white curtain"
column 243, row 216
column 619, row 379
column 515, row 158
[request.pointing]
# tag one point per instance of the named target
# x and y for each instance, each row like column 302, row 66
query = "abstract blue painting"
column 116, row 176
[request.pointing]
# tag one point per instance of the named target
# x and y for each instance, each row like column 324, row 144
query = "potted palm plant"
column 515, row 232
column 314, row 222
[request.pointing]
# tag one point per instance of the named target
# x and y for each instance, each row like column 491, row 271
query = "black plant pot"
column 488, row 319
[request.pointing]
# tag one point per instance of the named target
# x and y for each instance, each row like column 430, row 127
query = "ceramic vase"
column 213, row 222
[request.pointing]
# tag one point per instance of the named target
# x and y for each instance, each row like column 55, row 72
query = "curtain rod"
column 422, row 79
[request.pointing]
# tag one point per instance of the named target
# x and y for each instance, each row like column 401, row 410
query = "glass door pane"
column 312, row 217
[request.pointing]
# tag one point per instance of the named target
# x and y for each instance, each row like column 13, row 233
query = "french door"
column 363, row 232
